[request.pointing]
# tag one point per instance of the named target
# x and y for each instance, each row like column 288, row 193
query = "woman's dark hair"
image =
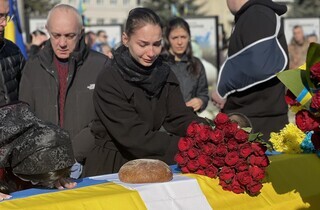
column 46, row 180
column 177, row 22
column 139, row 17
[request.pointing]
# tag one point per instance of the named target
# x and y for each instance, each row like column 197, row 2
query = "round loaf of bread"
column 145, row 171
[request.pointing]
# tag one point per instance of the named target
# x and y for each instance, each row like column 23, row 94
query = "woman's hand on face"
column 195, row 103
column 4, row 196
column 63, row 183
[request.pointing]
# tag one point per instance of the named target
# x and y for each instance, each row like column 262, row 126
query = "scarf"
column 150, row 79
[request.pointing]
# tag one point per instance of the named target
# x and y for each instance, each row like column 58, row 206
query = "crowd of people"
column 92, row 108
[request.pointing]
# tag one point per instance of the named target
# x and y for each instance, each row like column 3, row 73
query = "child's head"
column 242, row 120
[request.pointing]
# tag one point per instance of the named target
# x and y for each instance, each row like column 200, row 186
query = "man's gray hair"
column 65, row 7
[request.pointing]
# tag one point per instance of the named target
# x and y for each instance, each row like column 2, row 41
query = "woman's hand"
column 4, row 196
column 63, row 183
column 195, row 103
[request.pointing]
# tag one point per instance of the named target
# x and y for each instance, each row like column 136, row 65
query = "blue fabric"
column 270, row 153
column 253, row 65
column 35, row 191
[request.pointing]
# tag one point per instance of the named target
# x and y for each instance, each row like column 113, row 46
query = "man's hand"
column 195, row 103
column 217, row 100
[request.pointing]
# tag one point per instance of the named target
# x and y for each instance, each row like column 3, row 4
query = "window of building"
column 126, row 2
column 100, row 2
column 72, row 1
column 86, row 1
column 113, row 21
column 100, row 21
column 113, row 2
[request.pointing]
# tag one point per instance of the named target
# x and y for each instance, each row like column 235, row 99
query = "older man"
column 12, row 61
column 59, row 81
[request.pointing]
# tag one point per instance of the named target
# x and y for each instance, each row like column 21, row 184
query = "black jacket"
column 257, row 51
column 129, row 125
column 11, row 64
column 40, row 89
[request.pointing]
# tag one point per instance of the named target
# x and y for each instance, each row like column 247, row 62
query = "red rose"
column 208, row 149
column 236, row 186
column 306, row 121
column 230, row 129
column 218, row 161
column 185, row 143
column 291, row 99
column 225, row 185
column 204, row 160
column 260, row 161
column 254, row 188
column 315, row 101
column 258, row 149
column 315, row 71
column 211, row 171
column 245, row 150
column 185, row 169
column 226, row 173
column 221, row 119
column 232, row 158
column 241, row 136
column 191, row 130
column 193, row 153
column 242, row 165
column 204, row 133
column 232, row 145
column 193, row 165
column 221, row 150
column 216, row 136
column 181, row 160
column 200, row 172
column 244, row 177
column 256, row 173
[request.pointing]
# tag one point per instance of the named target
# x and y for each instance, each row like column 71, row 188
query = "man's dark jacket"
column 40, row 89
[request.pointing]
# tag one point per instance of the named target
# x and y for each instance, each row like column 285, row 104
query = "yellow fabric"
column 9, row 32
column 96, row 197
column 292, row 182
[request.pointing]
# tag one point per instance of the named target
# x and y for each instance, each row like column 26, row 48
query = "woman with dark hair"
column 188, row 69
column 32, row 152
column 134, row 97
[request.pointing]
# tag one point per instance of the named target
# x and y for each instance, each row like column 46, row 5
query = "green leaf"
column 210, row 122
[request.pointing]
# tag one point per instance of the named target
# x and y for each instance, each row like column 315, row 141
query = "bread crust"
column 145, row 171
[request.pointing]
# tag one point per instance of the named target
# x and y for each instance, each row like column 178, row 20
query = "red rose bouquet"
column 224, row 151
column 303, row 98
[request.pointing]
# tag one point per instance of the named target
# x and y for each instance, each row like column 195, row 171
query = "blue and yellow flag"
column 13, row 29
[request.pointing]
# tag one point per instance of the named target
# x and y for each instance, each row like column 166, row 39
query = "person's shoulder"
column 11, row 48
column 196, row 59
column 98, row 56
column 259, row 10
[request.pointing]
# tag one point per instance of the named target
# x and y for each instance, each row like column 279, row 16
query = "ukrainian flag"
column 13, row 29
